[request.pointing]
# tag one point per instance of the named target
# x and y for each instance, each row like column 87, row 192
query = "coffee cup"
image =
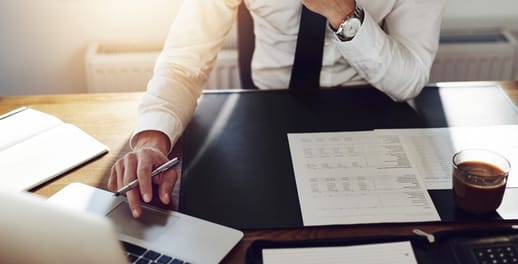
column 479, row 178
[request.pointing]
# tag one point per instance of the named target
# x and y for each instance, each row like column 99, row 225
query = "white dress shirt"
column 393, row 51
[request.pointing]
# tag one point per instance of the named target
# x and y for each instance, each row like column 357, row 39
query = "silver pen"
column 164, row 167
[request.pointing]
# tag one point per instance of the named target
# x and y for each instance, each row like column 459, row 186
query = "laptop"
column 90, row 225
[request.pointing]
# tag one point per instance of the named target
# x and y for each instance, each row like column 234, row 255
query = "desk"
column 111, row 117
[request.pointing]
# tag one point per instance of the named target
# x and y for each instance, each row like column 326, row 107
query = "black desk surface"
column 237, row 168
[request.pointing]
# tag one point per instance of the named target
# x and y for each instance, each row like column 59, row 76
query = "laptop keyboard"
column 139, row 255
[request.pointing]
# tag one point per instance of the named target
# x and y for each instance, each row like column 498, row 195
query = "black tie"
column 305, row 75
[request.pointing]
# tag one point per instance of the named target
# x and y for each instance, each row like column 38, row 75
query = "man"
column 390, row 44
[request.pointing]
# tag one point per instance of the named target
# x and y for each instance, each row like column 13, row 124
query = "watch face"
column 351, row 27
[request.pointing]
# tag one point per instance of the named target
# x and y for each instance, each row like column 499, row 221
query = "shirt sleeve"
column 398, row 58
column 182, row 68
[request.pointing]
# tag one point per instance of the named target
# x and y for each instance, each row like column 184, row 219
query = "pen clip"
column 164, row 167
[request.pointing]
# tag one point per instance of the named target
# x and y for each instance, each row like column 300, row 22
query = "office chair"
column 246, row 45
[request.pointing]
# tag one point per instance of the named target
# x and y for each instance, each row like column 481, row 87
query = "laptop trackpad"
column 148, row 227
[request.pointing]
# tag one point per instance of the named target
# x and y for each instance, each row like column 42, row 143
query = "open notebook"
column 36, row 147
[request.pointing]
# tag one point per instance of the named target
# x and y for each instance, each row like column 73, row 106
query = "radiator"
column 462, row 56
column 127, row 68
column 475, row 56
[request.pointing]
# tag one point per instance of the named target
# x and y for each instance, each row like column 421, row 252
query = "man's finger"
column 168, row 179
column 133, row 197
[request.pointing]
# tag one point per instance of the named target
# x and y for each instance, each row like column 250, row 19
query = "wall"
column 481, row 14
column 44, row 41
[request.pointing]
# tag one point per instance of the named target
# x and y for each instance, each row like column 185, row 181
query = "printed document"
column 357, row 177
column 395, row 252
column 432, row 149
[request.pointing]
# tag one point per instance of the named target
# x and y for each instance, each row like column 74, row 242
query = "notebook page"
column 23, row 123
column 51, row 153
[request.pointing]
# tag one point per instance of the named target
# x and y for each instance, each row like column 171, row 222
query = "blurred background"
column 80, row 46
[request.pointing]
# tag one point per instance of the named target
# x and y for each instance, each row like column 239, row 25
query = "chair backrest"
column 246, row 45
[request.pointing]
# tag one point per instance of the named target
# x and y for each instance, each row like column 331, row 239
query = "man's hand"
column 334, row 10
column 150, row 151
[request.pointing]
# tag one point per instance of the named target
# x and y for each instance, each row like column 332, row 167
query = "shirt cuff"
column 363, row 51
column 158, row 121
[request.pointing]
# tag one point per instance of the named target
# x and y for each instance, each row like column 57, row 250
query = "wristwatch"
column 351, row 24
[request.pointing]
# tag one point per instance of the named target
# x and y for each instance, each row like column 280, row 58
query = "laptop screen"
column 33, row 231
